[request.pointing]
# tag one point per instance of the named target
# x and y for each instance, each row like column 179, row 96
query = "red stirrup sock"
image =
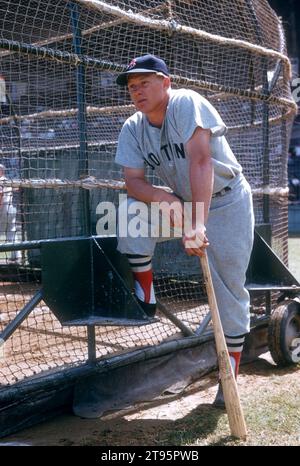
column 141, row 267
column 235, row 348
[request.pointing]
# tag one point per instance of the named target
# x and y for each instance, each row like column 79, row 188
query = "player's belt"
column 222, row 192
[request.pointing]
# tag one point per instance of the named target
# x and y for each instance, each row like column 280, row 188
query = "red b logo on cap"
column 132, row 64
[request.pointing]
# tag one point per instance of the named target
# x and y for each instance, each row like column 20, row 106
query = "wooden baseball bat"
column 230, row 391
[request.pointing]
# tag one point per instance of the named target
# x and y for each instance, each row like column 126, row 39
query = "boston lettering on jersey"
column 168, row 152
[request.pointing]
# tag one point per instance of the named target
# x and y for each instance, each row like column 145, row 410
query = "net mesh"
column 61, row 113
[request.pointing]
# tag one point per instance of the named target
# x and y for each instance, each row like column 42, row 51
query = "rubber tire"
column 284, row 327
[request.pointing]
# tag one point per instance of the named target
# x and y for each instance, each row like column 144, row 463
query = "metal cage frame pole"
column 81, row 104
column 265, row 122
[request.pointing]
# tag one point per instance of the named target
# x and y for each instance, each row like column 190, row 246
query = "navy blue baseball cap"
column 145, row 64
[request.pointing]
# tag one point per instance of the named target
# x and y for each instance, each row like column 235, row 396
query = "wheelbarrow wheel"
column 284, row 333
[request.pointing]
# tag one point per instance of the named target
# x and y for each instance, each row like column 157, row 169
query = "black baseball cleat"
column 148, row 308
column 219, row 401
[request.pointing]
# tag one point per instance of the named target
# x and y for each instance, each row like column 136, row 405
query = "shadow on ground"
column 172, row 419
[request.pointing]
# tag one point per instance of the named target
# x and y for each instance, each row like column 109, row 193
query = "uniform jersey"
column 164, row 149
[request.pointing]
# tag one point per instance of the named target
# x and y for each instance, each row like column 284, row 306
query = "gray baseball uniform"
column 231, row 221
column 163, row 150
column 8, row 217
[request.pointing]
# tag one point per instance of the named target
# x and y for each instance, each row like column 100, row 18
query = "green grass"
column 272, row 414
column 294, row 256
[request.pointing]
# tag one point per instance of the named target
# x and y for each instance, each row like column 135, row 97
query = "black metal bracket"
column 267, row 272
column 87, row 282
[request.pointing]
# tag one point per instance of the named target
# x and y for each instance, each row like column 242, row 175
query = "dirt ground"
column 185, row 419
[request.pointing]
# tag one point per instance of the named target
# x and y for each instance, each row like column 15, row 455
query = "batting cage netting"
column 61, row 113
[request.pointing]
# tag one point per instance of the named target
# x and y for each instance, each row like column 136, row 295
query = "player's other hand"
column 195, row 241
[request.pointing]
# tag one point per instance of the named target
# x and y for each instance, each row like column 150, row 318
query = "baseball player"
column 7, row 214
column 4, row 106
column 181, row 137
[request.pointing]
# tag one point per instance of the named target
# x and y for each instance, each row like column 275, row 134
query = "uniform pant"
column 8, row 227
column 229, row 229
